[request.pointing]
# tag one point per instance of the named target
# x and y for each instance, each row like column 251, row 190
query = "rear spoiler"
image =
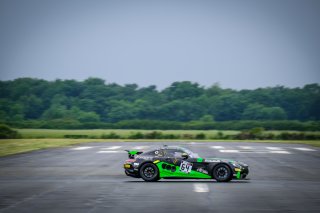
column 132, row 153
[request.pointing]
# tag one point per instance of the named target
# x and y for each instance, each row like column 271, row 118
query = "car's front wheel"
column 222, row 173
column 149, row 172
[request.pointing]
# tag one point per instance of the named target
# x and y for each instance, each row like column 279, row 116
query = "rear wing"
column 132, row 153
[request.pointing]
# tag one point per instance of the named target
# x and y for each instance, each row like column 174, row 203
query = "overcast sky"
column 240, row 44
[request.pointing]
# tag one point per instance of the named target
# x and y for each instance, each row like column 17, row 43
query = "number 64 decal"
column 185, row 167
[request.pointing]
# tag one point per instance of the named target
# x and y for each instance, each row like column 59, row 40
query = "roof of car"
column 172, row 147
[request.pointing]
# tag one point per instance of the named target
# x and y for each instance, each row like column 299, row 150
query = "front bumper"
column 241, row 173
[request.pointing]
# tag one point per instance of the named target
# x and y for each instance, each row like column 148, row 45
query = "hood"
column 217, row 160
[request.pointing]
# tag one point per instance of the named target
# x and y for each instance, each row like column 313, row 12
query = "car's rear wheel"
column 149, row 172
column 222, row 173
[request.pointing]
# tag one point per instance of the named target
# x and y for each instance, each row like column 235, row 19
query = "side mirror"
column 184, row 155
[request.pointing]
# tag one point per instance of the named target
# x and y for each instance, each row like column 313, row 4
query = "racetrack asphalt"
column 90, row 178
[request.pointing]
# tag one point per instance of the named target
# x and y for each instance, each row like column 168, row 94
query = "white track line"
column 200, row 187
column 217, row 147
column 195, row 143
column 254, row 151
column 274, row 148
column 140, row 147
column 82, row 148
column 110, row 151
column 304, row 149
column 279, row 152
column 246, row 147
column 112, row 147
column 229, row 150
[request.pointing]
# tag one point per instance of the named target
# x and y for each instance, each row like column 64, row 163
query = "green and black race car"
column 179, row 162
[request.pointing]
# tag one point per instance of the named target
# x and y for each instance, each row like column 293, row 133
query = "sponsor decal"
column 202, row 171
column 144, row 157
column 175, row 161
column 237, row 169
column 156, row 161
column 136, row 164
column 212, row 160
column 185, row 167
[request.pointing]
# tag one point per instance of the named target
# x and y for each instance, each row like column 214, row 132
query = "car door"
column 187, row 167
column 174, row 157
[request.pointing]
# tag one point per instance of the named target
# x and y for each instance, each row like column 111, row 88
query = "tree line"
column 93, row 101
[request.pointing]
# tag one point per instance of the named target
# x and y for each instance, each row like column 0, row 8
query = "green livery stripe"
column 133, row 152
column 199, row 160
column 238, row 175
column 170, row 170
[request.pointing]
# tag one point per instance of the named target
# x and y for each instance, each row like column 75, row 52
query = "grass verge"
column 15, row 146
column 123, row 133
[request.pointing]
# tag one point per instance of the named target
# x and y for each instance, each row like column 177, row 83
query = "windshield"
column 181, row 150
column 190, row 153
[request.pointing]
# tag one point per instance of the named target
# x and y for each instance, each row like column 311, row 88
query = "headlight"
column 242, row 164
column 236, row 165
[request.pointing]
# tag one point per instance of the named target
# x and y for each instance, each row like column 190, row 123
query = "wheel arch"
column 212, row 167
column 149, row 162
column 144, row 162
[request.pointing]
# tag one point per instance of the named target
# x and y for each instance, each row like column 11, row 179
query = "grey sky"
column 240, row 44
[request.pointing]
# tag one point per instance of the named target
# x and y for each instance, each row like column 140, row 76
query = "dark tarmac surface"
column 90, row 178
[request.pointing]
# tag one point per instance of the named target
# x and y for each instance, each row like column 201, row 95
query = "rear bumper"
column 129, row 170
column 132, row 173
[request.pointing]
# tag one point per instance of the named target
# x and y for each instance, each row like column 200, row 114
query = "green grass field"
column 36, row 139
column 124, row 133
column 15, row 146
column 96, row 133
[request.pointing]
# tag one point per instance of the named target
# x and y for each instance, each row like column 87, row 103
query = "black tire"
column 149, row 172
column 222, row 173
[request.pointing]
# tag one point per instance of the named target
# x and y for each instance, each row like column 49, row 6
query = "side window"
column 178, row 154
column 149, row 153
column 174, row 153
column 154, row 153
column 160, row 153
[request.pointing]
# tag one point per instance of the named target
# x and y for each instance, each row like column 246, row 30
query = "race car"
column 178, row 162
